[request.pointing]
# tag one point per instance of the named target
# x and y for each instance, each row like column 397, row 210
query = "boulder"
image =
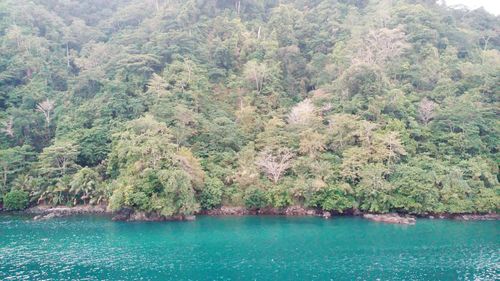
column 390, row 218
column 326, row 215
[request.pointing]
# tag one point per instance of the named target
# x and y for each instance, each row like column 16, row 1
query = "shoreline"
column 44, row 212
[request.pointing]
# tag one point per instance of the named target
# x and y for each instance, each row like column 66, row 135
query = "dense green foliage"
column 15, row 200
column 170, row 107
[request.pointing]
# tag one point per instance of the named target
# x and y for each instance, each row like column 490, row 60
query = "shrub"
column 15, row 200
column 332, row 198
column 255, row 198
column 211, row 196
column 280, row 196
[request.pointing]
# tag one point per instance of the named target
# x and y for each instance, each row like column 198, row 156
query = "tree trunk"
column 67, row 54
column 5, row 170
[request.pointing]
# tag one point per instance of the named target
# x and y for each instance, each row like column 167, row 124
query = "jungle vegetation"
column 173, row 106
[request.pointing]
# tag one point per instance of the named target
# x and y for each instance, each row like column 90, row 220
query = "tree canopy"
column 170, row 106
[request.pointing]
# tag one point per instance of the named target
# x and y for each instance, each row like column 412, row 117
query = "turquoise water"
column 247, row 248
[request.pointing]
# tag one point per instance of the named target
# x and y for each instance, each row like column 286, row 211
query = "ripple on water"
column 246, row 248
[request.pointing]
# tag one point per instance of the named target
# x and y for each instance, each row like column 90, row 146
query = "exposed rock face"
column 390, row 218
column 44, row 212
column 326, row 215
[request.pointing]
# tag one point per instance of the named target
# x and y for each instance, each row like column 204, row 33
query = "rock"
column 190, row 218
column 390, row 218
column 227, row 211
column 63, row 210
column 48, row 212
column 327, row 215
column 241, row 211
column 310, row 212
column 270, row 211
column 123, row 214
column 128, row 214
column 144, row 216
column 477, row 217
column 299, row 211
column 137, row 216
column 48, row 216
column 357, row 212
column 38, row 217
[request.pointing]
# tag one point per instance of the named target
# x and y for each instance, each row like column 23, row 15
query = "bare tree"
column 46, row 107
column 426, row 110
column 275, row 165
column 302, row 113
column 380, row 46
column 8, row 127
column 256, row 73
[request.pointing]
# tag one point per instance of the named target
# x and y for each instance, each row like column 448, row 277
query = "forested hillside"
column 174, row 106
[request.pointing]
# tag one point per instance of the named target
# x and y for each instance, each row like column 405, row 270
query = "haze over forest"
column 171, row 107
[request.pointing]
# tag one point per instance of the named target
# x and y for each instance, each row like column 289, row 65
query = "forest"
column 172, row 107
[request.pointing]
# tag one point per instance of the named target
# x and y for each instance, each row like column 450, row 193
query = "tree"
column 256, row 73
column 46, row 107
column 274, row 165
column 415, row 189
column 211, row 195
column 157, row 86
column 148, row 175
column 12, row 161
column 374, row 192
column 393, row 147
column 426, row 110
column 303, row 113
column 255, row 198
column 59, row 159
column 86, row 187
column 337, row 198
column 247, row 172
column 15, row 200
column 382, row 45
column 312, row 143
column 344, row 130
column 166, row 106
column 8, row 127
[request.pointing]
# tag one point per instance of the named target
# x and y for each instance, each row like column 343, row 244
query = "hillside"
column 170, row 106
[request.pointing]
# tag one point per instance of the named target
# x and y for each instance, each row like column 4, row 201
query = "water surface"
column 247, row 248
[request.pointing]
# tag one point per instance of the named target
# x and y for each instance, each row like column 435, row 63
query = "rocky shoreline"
column 241, row 211
column 44, row 212
column 391, row 218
